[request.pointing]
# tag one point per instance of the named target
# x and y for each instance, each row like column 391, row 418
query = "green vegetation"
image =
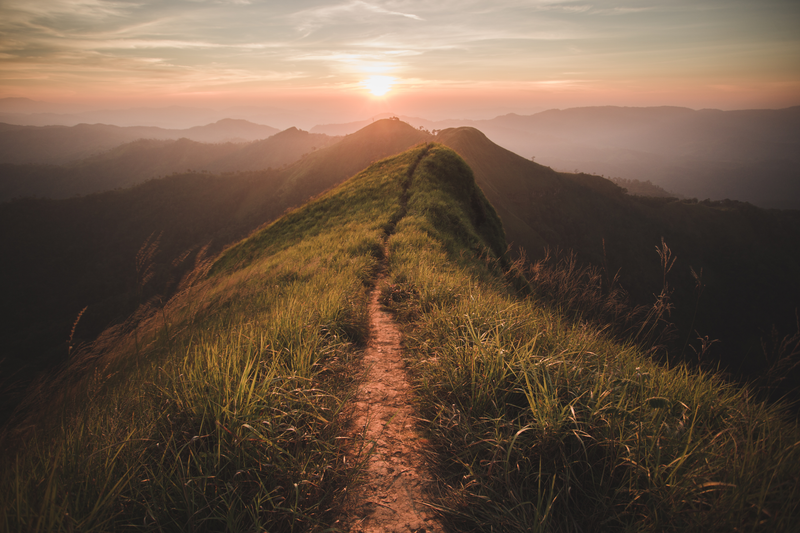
column 79, row 253
column 220, row 411
column 224, row 408
column 746, row 259
column 643, row 188
column 542, row 422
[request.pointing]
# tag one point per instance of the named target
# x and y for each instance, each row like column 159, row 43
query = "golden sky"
column 444, row 56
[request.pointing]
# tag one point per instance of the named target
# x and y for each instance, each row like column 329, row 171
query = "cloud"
column 319, row 43
column 345, row 14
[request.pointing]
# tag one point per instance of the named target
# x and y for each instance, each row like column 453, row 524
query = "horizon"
column 357, row 59
column 186, row 117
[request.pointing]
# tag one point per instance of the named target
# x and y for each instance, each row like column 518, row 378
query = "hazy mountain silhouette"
column 138, row 161
column 60, row 144
column 31, row 113
column 27, row 112
column 751, row 155
column 750, row 257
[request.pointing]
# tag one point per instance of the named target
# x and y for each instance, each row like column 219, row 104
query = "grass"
column 543, row 421
column 224, row 408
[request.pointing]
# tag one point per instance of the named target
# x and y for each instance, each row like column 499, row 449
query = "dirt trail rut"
column 390, row 498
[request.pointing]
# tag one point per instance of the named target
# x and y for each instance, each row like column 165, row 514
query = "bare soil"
column 391, row 495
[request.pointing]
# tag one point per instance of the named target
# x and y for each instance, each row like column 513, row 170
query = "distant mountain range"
column 27, row 112
column 137, row 161
column 751, row 156
column 56, row 145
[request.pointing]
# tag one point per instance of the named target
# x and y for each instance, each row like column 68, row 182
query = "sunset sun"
column 378, row 85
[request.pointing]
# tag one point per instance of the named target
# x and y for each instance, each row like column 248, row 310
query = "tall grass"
column 221, row 409
column 546, row 422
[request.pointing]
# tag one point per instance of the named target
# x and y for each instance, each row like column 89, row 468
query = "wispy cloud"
column 317, row 42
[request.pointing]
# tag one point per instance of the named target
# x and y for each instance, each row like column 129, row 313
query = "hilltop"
column 747, row 155
column 224, row 406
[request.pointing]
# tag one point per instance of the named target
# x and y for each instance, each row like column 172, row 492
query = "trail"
column 390, row 498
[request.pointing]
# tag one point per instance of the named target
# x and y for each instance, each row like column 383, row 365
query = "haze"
column 445, row 59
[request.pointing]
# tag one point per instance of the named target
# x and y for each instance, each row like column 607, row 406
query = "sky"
column 438, row 59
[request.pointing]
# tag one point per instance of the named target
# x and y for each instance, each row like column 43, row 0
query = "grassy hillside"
column 86, row 249
column 223, row 408
column 542, row 423
column 749, row 258
column 93, row 252
column 64, row 256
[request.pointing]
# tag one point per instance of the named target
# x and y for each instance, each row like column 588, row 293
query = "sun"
column 378, row 85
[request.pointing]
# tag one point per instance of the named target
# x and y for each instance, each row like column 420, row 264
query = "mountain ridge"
column 63, row 144
column 744, row 155
column 98, row 239
column 227, row 403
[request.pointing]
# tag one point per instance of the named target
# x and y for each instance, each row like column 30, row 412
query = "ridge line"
column 406, row 185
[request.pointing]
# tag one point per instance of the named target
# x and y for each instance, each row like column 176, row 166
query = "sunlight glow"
column 378, row 85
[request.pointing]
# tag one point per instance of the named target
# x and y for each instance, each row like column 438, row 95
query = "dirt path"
column 389, row 500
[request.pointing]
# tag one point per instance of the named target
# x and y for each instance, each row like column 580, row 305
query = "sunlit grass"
column 221, row 410
column 225, row 408
column 544, row 422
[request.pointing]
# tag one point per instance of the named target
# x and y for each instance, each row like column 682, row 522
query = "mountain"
column 64, row 255
column 749, row 155
column 170, row 117
column 138, row 161
column 227, row 405
column 144, row 159
column 27, row 112
column 330, row 166
column 342, row 129
column 226, row 130
column 279, row 150
column 60, row 144
column 749, row 257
